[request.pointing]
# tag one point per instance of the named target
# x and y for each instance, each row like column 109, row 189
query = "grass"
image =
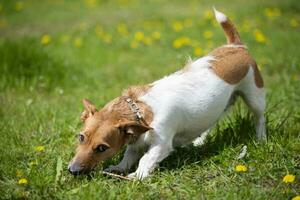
column 90, row 54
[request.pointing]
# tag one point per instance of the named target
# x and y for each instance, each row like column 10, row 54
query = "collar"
column 136, row 110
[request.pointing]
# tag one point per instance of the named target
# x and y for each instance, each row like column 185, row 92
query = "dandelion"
column 296, row 197
column 177, row 26
column 139, row 36
column 156, row 35
column 19, row 6
column 198, row 51
column 78, row 42
column 241, row 168
column 39, row 148
column 294, row 23
column 272, row 12
column 91, row 3
column 259, row 36
column 147, row 41
column 46, row 39
column 289, row 178
column 134, row 44
column 208, row 34
column 180, row 42
column 23, row 181
column 122, row 29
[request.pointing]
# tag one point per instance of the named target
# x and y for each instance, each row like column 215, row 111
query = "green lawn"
column 54, row 53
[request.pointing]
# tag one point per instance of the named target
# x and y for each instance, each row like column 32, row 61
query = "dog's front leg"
column 131, row 156
column 150, row 160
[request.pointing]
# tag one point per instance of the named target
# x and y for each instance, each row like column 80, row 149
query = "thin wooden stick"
column 116, row 176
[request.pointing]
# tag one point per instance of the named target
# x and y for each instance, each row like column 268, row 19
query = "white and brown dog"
column 173, row 111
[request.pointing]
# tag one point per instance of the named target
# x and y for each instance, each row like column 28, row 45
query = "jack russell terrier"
column 173, row 111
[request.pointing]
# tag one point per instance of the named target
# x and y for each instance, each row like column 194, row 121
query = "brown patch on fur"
column 232, row 64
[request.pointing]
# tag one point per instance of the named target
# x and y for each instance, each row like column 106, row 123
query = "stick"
column 116, row 176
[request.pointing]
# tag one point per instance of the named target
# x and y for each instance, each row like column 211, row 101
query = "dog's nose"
column 74, row 168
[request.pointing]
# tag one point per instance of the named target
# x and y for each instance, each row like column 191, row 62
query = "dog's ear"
column 132, row 128
column 89, row 109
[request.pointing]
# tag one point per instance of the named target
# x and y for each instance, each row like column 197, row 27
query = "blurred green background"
column 53, row 53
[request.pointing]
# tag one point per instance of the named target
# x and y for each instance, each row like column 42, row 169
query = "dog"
column 173, row 111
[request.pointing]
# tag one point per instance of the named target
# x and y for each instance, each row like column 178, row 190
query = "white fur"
column 220, row 16
column 185, row 105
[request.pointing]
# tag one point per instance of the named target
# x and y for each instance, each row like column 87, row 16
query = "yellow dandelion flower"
column 177, row 26
column 19, row 6
column 19, row 173
column 188, row 23
column 23, row 181
column 208, row 15
column 180, row 42
column 39, row 148
column 122, row 29
column 147, row 41
column 177, row 44
column 289, row 178
column 272, row 12
column 78, row 42
column 259, row 36
column 156, row 35
column 134, row 44
column 91, row 3
column 208, row 34
column 46, row 39
column 296, row 197
column 139, row 36
column 241, row 168
column 198, row 51
column 294, row 23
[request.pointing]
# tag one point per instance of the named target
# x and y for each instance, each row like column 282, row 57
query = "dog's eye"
column 81, row 138
column 101, row 148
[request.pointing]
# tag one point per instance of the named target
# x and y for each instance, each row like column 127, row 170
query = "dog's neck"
column 120, row 108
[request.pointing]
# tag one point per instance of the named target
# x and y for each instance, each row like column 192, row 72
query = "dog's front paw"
column 115, row 169
column 138, row 175
column 132, row 176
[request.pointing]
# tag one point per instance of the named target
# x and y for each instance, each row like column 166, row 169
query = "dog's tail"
column 232, row 34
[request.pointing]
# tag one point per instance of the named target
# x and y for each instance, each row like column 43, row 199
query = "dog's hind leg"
column 255, row 98
column 201, row 139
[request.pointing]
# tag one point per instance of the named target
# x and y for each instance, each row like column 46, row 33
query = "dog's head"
column 103, row 134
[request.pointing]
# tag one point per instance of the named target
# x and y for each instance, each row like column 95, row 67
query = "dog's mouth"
column 77, row 170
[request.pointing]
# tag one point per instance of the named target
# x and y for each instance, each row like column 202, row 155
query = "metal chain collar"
column 135, row 109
